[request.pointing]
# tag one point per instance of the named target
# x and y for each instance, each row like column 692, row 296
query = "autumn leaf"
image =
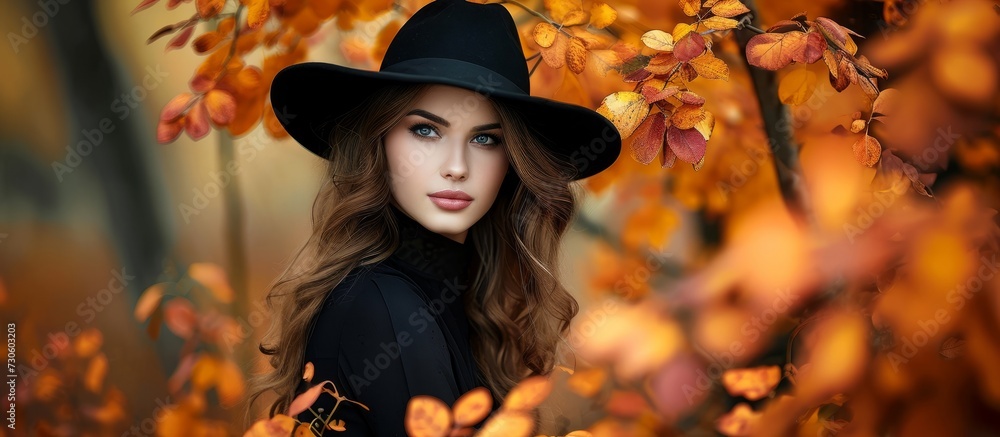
column 867, row 150
column 427, row 416
column 719, row 23
column 658, row 40
column 687, row 144
column 602, row 15
column 729, row 8
column 626, row 109
column 810, row 49
column 739, row 422
column 690, row 7
column 212, row 277
column 528, row 393
column 648, row 138
column 149, row 301
column 753, row 383
column 544, row 34
column 209, row 8
column 687, row 116
column 797, row 86
column 180, row 39
column 689, row 47
column 710, row 67
column 472, row 407
column 772, row 51
column 885, row 103
column 257, row 12
column 143, row 5
column 555, row 55
column 576, row 55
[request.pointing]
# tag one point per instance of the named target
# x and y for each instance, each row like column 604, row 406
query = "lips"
column 451, row 194
column 451, row 200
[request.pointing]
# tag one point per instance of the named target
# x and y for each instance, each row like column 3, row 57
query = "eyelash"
column 497, row 140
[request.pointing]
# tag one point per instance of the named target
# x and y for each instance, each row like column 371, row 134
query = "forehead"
column 455, row 104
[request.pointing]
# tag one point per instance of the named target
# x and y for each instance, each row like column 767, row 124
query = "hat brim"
column 307, row 96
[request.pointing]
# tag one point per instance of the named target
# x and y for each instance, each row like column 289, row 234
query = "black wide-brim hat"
column 451, row 42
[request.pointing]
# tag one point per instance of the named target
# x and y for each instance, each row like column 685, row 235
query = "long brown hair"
column 518, row 311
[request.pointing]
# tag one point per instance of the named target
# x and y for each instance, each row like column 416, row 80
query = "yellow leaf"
column 681, row 29
column 602, row 15
column 544, row 34
column 214, row 278
column 626, row 109
column 797, row 86
column 575, row 18
column 729, row 8
column 658, row 40
column 559, row 9
column 710, row 67
column 719, row 23
column 690, row 7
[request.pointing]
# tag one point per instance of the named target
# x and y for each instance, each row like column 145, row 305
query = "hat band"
column 479, row 78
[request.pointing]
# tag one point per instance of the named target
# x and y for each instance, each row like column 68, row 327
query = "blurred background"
column 800, row 279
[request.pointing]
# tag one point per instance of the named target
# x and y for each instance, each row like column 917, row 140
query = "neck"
column 430, row 253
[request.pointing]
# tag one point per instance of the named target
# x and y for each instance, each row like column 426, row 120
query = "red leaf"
column 175, row 107
column 687, row 144
column 181, row 39
column 667, row 157
column 196, row 122
column 689, row 47
column 811, row 50
column 649, row 137
column 143, row 5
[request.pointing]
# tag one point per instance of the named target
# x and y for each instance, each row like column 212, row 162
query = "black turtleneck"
column 393, row 330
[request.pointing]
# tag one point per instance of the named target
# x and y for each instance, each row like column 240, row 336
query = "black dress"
column 393, row 330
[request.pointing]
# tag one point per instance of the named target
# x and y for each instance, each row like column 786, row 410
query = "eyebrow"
column 444, row 122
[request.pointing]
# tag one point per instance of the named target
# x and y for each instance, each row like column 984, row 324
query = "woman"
column 432, row 264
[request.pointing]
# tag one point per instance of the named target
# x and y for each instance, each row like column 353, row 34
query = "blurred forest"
column 798, row 239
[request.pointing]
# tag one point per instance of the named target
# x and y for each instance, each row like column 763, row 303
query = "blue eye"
column 417, row 128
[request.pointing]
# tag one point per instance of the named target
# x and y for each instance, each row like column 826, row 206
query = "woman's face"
column 450, row 139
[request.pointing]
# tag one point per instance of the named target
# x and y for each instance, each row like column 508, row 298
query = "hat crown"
column 481, row 34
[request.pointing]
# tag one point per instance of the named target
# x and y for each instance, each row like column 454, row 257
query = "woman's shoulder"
column 375, row 300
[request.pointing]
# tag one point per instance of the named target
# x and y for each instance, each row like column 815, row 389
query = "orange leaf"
column 772, row 51
column 204, row 373
column 576, row 55
column 602, row 15
column 797, row 86
column 628, row 404
column 729, row 8
column 427, row 416
column 719, row 23
column 303, row 401
column 207, row 42
column 209, row 8
column 710, row 67
column 544, row 34
column 180, row 317
column 741, row 421
column 212, row 277
column 886, row 102
column 690, row 7
column 688, row 144
column 257, row 12
column 229, row 383
column 626, row 109
column 88, row 343
column 648, row 138
column 587, row 382
column 575, row 18
column 272, row 125
column 93, row 379
column 507, row 424
column 867, row 150
column 149, row 301
column 560, row 9
column 221, row 107
column 527, row 394
column 687, row 116
column 753, row 383
column 662, row 63
column 555, row 55
column 472, row 407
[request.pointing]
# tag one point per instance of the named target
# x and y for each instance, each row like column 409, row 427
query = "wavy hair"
column 519, row 312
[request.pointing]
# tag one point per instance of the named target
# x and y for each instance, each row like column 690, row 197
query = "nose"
column 455, row 165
